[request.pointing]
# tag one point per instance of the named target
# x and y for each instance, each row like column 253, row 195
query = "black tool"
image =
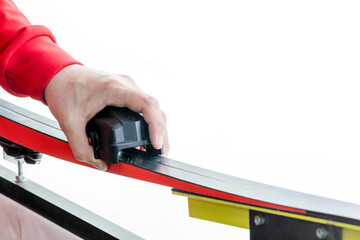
column 114, row 129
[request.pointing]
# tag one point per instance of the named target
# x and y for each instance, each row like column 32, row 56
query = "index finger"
column 80, row 147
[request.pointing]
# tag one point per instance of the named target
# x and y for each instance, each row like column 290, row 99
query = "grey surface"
column 31, row 120
column 246, row 188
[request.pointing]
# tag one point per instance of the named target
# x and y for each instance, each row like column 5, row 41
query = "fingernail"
column 102, row 166
column 159, row 143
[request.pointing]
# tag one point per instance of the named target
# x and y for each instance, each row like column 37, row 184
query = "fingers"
column 166, row 138
column 156, row 126
column 80, row 147
column 138, row 101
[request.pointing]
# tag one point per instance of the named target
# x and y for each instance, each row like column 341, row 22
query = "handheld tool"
column 114, row 129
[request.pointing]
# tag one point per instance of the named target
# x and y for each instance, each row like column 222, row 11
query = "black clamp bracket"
column 18, row 154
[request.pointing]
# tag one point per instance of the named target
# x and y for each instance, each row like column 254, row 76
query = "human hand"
column 77, row 93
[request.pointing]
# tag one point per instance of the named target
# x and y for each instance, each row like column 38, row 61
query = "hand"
column 77, row 93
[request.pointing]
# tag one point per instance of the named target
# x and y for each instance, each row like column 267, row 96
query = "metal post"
column 20, row 177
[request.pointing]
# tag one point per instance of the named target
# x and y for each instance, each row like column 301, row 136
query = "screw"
column 321, row 233
column 259, row 220
column 20, row 177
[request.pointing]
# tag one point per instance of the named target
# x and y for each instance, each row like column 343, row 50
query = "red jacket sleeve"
column 29, row 56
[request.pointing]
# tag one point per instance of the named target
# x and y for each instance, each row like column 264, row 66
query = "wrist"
column 60, row 79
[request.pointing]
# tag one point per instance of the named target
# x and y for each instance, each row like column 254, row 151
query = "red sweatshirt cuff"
column 33, row 63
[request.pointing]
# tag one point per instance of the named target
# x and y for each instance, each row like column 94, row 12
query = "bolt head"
column 321, row 233
column 259, row 220
column 20, row 179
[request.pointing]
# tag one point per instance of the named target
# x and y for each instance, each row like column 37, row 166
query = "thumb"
column 81, row 149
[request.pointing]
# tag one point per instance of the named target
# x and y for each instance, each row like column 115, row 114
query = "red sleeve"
column 29, row 56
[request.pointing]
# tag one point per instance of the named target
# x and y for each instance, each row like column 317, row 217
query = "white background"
column 262, row 90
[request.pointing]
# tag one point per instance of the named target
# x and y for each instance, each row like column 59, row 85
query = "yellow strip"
column 220, row 213
column 350, row 235
column 211, row 202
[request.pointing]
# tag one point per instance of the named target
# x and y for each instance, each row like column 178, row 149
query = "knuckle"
column 150, row 101
column 111, row 91
column 126, row 76
column 66, row 125
column 108, row 83
column 79, row 155
column 164, row 116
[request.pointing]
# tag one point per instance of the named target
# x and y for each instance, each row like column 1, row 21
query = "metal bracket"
column 265, row 226
column 19, row 155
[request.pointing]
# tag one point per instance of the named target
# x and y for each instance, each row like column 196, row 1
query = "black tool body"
column 114, row 129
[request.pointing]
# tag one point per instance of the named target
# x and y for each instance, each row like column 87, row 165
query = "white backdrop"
column 262, row 90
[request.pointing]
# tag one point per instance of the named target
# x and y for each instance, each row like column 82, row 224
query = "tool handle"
column 116, row 128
